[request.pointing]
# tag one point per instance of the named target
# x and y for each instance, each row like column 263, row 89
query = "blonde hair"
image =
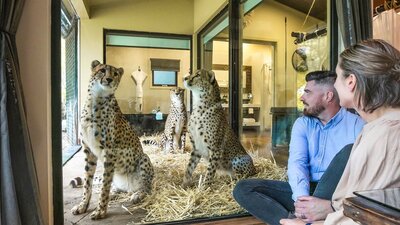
column 376, row 65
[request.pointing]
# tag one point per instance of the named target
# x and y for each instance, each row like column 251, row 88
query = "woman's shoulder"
column 390, row 120
column 386, row 128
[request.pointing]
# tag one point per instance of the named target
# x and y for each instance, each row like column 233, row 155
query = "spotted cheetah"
column 173, row 138
column 210, row 134
column 107, row 137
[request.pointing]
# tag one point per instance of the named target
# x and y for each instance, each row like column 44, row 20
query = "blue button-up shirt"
column 313, row 146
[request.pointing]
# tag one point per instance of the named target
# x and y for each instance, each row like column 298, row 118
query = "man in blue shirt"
column 323, row 135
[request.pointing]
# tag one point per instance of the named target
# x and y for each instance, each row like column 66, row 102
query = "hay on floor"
column 170, row 202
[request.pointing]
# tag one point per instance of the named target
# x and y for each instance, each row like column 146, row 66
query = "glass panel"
column 281, row 44
column 164, row 78
column 217, row 31
column 69, row 82
column 134, row 41
column 214, row 53
column 270, row 84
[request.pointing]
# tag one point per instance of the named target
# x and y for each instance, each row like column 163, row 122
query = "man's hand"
column 292, row 222
column 309, row 208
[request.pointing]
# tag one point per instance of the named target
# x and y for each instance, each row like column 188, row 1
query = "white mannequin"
column 139, row 77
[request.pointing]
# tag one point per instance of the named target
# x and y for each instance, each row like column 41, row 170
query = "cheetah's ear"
column 212, row 76
column 121, row 71
column 95, row 63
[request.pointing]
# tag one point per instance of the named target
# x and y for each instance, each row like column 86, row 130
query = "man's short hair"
column 322, row 77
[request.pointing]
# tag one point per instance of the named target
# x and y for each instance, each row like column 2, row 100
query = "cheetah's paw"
column 98, row 214
column 135, row 198
column 115, row 193
column 79, row 209
column 187, row 184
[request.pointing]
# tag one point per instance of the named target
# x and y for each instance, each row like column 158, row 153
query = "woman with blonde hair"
column 368, row 80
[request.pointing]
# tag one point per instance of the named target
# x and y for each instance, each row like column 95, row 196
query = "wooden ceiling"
column 318, row 10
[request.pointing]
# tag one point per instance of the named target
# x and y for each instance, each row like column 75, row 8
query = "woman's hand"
column 310, row 208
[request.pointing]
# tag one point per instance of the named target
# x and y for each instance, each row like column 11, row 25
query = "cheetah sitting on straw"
column 173, row 139
column 210, row 134
column 108, row 137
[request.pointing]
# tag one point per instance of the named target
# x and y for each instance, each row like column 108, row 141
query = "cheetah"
column 210, row 134
column 174, row 137
column 107, row 136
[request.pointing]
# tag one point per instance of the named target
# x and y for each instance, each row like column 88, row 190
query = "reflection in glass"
column 282, row 42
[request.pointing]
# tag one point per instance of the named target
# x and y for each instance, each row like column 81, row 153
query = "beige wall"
column 164, row 16
column 130, row 59
column 33, row 43
column 205, row 10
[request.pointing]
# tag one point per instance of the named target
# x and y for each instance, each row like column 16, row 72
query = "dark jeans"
column 271, row 200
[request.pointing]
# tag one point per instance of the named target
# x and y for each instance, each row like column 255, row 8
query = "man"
column 317, row 137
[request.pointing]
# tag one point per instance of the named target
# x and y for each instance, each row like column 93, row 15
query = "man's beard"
column 313, row 111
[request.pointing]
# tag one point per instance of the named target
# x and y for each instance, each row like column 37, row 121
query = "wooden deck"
column 248, row 220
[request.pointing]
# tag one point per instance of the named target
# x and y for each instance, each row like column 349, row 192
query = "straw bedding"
column 170, row 202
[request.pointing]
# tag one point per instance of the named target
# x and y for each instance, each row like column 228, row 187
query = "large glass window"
column 214, row 53
column 279, row 42
column 69, row 81
column 282, row 42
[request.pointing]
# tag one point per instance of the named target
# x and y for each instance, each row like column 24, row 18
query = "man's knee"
column 340, row 160
column 344, row 153
column 241, row 189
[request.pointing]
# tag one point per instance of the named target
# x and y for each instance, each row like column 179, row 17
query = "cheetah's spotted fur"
column 210, row 134
column 108, row 137
column 174, row 137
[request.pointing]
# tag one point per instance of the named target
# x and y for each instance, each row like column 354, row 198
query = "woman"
column 368, row 80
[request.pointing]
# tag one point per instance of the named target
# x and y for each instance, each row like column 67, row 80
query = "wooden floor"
column 248, row 220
